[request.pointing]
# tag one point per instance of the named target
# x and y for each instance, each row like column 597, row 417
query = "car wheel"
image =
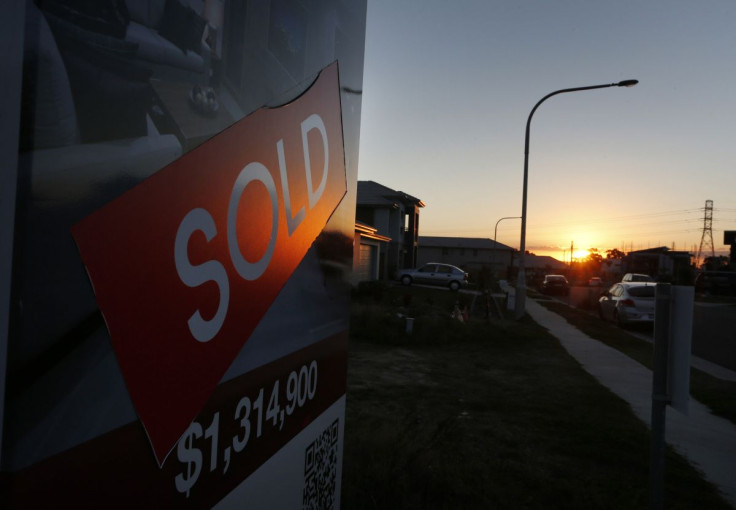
column 406, row 280
column 454, row 285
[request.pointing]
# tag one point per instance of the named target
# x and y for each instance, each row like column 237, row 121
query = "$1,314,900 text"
column 271, row 407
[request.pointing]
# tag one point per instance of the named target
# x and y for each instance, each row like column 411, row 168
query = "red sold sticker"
column 186, row 264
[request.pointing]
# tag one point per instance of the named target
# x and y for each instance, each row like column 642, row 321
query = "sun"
column 580, row 254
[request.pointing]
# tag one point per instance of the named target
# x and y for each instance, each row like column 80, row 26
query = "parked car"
column 595, row 282
column 637, row 277
column 555, row 284
column 435, row 273
column 628, row 303
column 716, row 282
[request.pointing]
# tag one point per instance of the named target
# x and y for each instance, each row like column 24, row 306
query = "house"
column 469, row 253
column 368, row 247
column 662, row 263
column 536, row 266
column 394, row 215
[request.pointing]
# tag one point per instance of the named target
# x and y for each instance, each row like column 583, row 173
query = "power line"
column 619, row 218
column 636, row 226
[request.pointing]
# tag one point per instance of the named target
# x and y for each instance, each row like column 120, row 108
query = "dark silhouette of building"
column 661, row 263
column 395, row 215
column 470, row 253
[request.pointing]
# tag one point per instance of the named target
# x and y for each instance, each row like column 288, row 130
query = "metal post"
column 660, row 398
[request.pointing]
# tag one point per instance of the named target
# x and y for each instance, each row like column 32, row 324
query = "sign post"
column 673, row 322
column 659, row 394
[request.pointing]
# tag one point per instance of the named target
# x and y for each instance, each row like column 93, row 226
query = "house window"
column 445, row 251
column 475, row 253
column 462, row 251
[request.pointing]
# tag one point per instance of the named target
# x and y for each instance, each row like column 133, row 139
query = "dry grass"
column 487, row 415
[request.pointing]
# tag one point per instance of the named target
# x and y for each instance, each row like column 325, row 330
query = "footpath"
column 706, row 440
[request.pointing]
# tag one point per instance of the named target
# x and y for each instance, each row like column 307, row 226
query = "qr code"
column 320, row 471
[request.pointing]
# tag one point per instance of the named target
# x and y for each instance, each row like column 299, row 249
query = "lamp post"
column 520, row 301
column 495, row 231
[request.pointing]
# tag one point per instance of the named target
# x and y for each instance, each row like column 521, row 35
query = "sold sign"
column 186, row 264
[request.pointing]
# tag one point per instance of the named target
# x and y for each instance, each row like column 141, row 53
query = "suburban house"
column 368, row 246
column 661, row 263
column 394, row 215
column 536, row 266
column 468, row 253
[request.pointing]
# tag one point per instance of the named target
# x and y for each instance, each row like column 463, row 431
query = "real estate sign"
column 178, row 315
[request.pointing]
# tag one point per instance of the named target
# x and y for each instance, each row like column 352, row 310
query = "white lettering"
column 194, row 276
column 200, row 219
column 314, row 121
column 252, row 172
column 291, row 222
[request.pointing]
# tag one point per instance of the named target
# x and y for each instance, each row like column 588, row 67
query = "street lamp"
column 495, row 231
column 519, row 305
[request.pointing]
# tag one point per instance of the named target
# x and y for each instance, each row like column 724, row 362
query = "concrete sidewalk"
column 708, row 441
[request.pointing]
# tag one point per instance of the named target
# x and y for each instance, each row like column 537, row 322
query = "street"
column 714, row 334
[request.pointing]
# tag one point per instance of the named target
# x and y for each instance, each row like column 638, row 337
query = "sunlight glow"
column 580, row 254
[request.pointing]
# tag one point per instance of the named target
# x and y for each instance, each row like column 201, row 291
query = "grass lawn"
column 717, row 394
column 485, row 415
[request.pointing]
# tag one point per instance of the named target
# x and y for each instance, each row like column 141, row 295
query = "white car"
column 628, row 303
column 637, row 277
column 435, row 273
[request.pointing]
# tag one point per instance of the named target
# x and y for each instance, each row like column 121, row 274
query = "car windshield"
column 556, row 278
column 641, row 278
column 643, row 291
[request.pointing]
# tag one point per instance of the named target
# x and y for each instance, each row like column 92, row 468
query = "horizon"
column 579, row 254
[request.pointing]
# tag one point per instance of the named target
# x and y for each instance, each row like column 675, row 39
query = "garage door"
column 366, row 262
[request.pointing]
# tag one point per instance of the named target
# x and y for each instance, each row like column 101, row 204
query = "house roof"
column 477, row 243
column 540, row 262
column 372, row 193
column 660, row 250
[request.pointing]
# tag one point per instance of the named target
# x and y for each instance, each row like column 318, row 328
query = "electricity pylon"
column 706, row 239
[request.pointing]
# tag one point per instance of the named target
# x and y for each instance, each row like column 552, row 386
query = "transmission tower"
column 706, row 240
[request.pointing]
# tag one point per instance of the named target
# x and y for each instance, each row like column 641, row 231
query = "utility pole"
column 571, row 251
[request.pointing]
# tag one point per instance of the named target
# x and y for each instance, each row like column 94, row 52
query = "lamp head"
column 627, row 83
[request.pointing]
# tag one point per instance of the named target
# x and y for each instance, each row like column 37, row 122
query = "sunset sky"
column 448, row 87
